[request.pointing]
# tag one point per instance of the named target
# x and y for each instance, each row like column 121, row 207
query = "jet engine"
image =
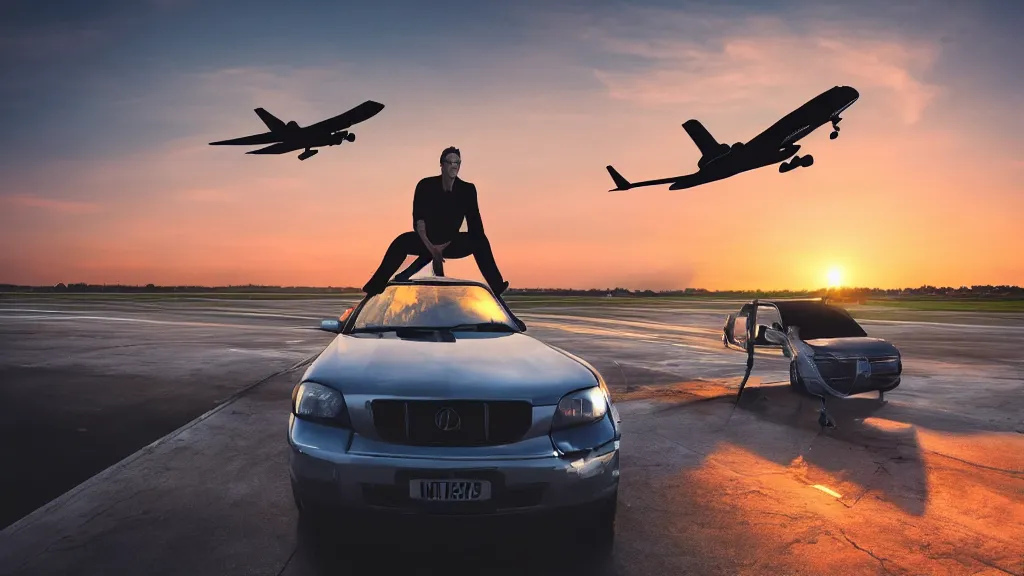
column 339, row 137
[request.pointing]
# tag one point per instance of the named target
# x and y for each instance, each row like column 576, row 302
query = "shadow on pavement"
column 448, row 546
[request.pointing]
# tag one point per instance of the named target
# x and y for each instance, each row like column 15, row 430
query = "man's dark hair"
column 450, row 150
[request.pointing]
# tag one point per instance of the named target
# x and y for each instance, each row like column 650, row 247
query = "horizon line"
column 151, row 286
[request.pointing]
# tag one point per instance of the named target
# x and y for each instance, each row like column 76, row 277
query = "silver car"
column 433, row 400
column 830, row 353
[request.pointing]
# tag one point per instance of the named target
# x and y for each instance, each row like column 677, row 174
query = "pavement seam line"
column 61, row 500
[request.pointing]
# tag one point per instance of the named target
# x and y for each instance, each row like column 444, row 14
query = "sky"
column 107, row 108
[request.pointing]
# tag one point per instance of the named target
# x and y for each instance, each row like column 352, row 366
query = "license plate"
column 450, row 490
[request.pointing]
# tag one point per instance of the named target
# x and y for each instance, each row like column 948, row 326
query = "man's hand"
column 437, row 250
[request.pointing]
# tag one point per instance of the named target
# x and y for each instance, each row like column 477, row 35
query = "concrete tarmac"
column 930, row 482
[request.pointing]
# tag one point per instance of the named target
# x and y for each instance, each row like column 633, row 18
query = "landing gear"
column 796, row 162
column 823, row 418
column 835, row 129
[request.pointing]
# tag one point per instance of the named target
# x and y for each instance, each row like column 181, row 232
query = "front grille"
column 451, row 423
column 841, row 374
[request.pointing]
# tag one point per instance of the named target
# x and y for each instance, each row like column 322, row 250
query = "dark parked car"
column 830, row 353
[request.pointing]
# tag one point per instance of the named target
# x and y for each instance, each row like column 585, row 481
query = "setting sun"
column 835, row 278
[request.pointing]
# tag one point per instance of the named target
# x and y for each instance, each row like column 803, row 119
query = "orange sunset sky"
column 106, row 175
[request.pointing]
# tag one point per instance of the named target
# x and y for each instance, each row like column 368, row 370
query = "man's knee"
column 407, row 242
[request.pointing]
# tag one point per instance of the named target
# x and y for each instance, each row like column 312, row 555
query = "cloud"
column 50, row 204
column 757, row 56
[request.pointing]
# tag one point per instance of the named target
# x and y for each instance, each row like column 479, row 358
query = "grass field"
column 952, row 305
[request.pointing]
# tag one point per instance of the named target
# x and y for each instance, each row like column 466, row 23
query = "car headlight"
column 319, row 403
column 580, row 407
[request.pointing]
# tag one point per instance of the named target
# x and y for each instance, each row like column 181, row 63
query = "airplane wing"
column 698, row 178
column 265, row 138
column 623, row 184
column 345, row 120
column 280, row 148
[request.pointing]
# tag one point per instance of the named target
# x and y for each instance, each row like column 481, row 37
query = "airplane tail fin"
column 620, row 182
column 709, row 147
column 273, row 122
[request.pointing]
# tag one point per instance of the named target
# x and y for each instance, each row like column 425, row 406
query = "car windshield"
column 820, row 321
column 432, row 306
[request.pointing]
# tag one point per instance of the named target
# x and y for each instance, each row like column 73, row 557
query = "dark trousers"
column 410, row 244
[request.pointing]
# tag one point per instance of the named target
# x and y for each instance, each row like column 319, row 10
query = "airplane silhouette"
column 290, row 137
column 719, row 161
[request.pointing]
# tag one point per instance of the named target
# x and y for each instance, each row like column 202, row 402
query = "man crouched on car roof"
column 440, row 205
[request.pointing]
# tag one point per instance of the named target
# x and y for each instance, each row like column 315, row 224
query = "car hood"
column 863, row 346
column 476, row 365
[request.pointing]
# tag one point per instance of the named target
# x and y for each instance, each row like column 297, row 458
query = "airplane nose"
column 852, row 93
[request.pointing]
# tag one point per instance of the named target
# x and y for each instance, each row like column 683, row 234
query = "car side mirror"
column 728, row 329
column 333, row 326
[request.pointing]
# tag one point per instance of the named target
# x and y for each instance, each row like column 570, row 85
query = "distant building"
column 60, row 286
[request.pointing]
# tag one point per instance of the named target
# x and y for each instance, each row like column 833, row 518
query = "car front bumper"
column 324, row 474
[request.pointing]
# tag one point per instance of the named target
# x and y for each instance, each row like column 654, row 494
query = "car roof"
column 437, row 280
column 814, row 316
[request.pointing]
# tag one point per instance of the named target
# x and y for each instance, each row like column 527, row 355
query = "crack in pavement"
column 120, row 501
column 50, row 546
column 1014, row 473
column 1000, row 568
column 881, row 561
column 868, row 487
column 790, row 516
column 288, row 561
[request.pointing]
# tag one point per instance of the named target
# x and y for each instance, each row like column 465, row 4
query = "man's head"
column 451, row 161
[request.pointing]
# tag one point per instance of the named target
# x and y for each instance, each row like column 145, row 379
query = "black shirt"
column 444, row 211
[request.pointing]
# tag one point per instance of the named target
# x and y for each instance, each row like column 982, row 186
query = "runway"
column 109, row 470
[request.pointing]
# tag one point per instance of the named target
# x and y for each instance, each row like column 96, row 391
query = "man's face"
column 451, row 165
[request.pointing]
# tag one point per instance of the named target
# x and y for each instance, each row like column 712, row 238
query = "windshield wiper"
column 481, row 327
column 375, row 329
column 471, row 326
